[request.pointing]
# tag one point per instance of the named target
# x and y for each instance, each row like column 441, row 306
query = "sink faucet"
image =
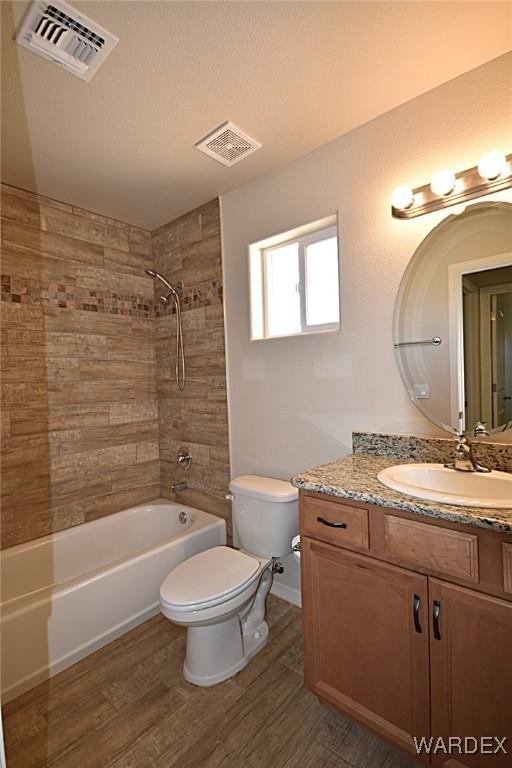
column 464, row 459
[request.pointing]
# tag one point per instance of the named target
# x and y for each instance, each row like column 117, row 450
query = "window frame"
column 324, row 233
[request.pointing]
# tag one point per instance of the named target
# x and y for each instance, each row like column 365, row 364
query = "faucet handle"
column 461, row 441
column 184, row 458
column 480, row 429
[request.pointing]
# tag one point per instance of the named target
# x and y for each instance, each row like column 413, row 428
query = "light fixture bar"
column 468, row 185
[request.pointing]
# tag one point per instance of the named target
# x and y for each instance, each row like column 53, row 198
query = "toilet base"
column 217, row 652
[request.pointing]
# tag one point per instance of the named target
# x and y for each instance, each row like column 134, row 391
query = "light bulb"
column 443, row 182
column 492, row 165
column 402, row 198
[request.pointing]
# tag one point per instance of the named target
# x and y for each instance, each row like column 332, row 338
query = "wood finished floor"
column 127, row 706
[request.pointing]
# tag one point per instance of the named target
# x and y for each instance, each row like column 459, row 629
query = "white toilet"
column 220, row 593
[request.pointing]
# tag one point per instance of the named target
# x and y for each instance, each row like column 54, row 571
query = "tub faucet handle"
column 184, row 459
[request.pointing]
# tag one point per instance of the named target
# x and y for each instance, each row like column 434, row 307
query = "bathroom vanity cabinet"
column 408, row 624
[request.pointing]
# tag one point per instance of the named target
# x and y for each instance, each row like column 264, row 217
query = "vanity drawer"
column 334, row 522
column 448, row 552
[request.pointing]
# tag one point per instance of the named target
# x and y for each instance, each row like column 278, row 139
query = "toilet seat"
column 208, row 579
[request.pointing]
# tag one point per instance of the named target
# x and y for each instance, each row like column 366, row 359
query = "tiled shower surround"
column 80, row 429
column 189, row 249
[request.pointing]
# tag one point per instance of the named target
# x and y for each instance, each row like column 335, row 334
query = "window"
column 295, row 282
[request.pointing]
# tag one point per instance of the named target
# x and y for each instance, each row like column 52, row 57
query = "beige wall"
column 79, row 401
column 189, row 249
column 294, row 402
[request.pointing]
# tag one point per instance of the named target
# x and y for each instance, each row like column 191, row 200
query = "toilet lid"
column 208, row 577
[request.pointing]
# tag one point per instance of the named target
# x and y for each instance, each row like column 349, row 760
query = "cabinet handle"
column 416, row 613
column 331, row 525
column 436, row 610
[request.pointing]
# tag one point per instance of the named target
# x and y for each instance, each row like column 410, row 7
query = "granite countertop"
column 355, row 477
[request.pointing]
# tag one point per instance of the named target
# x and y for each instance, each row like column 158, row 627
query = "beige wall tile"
column 136, row 476
column 23, row 369
column 67, row 372
column 20, row 261
column 109, row 278
column 78, row 345
column 140, row 241
column 189, row 249
column 83, row 425
column 148, row 450
column 99, row 459
column 116, row 369
column 119, row 434
column 20, row 316
column 123, row 413
column 69, row 224
column 53, row 245
column 132, row 262
column 93, row 391
column 78, row 415
column 23, row 209
column 117, row 237
column 25, row 343
column 17, row 450
column 20, row 393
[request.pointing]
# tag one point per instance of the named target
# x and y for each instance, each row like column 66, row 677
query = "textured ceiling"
column 292, row 74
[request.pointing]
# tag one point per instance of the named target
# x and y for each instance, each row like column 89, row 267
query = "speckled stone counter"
column 355, row 477
column 493, row 454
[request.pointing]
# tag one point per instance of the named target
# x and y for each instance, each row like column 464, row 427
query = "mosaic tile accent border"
column 429, row 449
column 73, row 297
column 203, row 295
column 65, row 296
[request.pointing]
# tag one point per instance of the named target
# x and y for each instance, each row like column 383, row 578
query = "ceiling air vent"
column 68, row 38
column 228, row 144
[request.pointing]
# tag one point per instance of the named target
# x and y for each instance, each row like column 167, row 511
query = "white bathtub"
column 67, row 594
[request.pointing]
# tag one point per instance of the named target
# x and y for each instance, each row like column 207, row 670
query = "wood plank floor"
column 127, row 706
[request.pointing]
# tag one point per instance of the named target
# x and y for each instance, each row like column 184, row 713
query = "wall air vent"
column 63, row 35
column 228, row 144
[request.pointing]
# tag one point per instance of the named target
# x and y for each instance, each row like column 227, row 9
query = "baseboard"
column 287, row 593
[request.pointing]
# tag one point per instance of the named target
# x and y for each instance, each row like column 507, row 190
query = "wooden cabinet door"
column 471, row 672
column 366, row 640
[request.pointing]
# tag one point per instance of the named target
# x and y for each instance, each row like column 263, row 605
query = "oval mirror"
column 453, row 321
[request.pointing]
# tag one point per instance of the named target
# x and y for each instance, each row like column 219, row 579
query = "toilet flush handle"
column 229, row 497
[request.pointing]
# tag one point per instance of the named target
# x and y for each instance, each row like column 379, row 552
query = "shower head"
column 158, row 276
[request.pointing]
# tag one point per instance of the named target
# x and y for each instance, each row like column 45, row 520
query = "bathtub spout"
column 181, row 486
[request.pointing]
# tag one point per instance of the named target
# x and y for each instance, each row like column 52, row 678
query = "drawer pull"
column 416, row 613
column 436, row 610
column 330, row 524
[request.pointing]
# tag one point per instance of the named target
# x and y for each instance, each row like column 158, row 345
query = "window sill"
column 319, row 332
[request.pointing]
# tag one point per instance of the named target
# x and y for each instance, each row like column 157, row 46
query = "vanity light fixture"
column 402, row 197
column 493, row 174
column 443, row 182
column 492, row 165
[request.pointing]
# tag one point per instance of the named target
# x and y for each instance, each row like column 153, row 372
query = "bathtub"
column 69, row 593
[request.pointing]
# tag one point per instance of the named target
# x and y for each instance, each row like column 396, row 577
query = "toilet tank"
column 265, row 514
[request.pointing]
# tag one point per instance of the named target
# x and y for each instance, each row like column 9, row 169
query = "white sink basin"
column 435, row 482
